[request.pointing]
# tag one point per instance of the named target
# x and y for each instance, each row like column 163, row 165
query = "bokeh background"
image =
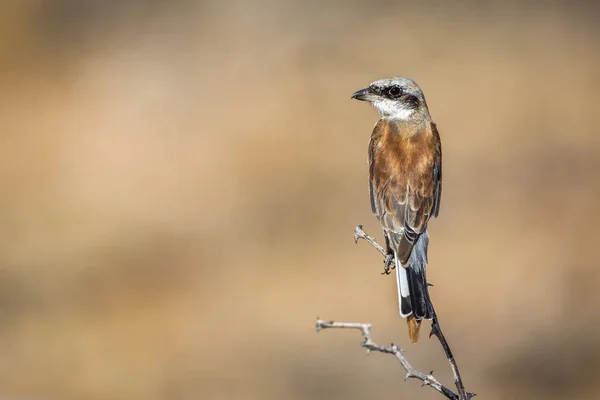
column 181, row 181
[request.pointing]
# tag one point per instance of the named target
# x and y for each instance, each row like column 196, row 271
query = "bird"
column 405, row 187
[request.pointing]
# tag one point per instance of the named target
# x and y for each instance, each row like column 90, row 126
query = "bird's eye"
column 394, row 92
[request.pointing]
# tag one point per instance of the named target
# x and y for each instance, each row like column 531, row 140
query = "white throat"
column 393, row 109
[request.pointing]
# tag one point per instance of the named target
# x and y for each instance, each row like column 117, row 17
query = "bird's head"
column 395, row 98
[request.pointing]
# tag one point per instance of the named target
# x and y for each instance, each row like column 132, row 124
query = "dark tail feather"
column 420, row 303
column 418, row 294
column 417, row 279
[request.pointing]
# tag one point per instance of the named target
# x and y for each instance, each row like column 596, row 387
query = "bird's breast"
column 405, row 150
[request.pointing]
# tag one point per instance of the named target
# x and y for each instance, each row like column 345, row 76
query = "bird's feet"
column 388, row 264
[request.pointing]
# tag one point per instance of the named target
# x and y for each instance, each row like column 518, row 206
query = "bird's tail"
column 413, row 295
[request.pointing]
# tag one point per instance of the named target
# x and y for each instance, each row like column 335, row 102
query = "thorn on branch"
column 369, row 345
column 357, row 231
column 434, row 330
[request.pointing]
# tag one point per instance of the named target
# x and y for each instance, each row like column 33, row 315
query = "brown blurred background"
column 181, row 181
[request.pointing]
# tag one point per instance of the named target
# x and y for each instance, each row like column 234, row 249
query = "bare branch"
column 370, row 345
column 359, row 233
column 436, row 330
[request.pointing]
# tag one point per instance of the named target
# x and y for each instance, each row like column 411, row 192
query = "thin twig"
column 370, row 345
column 359, row 233
column 436, row 330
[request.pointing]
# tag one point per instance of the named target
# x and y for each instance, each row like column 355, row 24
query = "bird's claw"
column 388, row 264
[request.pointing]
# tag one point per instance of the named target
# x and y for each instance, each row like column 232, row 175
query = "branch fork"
column 369, row 345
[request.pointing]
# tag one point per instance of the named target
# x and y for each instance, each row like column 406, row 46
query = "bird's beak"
column 366, row 94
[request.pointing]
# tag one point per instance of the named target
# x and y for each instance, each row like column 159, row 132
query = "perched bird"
column 405, row 185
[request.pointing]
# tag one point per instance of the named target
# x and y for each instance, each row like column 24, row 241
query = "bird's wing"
column 404, row 195
column 437, row 173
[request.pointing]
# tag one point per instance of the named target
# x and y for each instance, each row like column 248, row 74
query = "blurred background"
column 181, row 181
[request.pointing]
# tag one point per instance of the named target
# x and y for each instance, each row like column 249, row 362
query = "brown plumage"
column 405, row 185
column 403, row 182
